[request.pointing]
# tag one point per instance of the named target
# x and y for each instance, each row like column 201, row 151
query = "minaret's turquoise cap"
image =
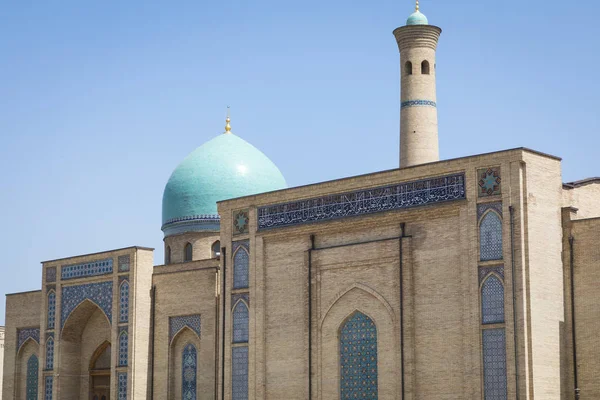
column 417, row 18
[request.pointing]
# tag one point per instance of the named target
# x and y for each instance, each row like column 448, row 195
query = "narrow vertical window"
column 49, row 383
column 32, row 378
column 239, row 373
column 124, row 302
column 50, row 354
column 358, row 358
column 189, row 369
column 216, row 249
column 168, row 255
column 122, row 381
column 494, row 364
column 240, row 323
column 187, row 256
column 51, row 309
column 490, row 237
column 123, row 348
column 241, row 268
column 492, row 301
column 408, row 68
column 425, row 67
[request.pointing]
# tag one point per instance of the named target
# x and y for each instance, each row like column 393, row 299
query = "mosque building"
column 469, row 278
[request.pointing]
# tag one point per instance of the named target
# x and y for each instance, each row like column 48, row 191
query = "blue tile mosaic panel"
column 241, row 267
column 240, row 323
column 48, row 385
column 483, row 207
column 50, row 354
column 189, row 361
column 358, row 358
column 98, row 293
column 241, row 220
column 494, row 364
column 32, row 378
column 240, row 296
column 122, row 385
column 239, row 373
column 363, row 202
column 94, row 268
column 489, row 182
column 123, row 347
column 492, row 301
column 27, row 333
column 178, row 323
column 51, row 310
column 490, row 237
column 124, row 262
column 485, row 271
column 416, row 103
column 124, row 301
column 51, row 274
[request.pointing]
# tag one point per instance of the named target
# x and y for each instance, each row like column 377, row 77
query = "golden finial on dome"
column 417, row 6
column 227, row 121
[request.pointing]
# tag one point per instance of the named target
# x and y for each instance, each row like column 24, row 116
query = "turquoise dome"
column 417, row 18
column 222, row 168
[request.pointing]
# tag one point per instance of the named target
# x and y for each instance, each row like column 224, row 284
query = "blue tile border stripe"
column 416, row 103
column 94, row 268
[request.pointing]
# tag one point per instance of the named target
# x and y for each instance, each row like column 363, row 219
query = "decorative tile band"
column 415, row 103
column 363, row 202
column 99, row 293
column 178, row 323
column 204, row 217
column 27, row 333
column 94, row 268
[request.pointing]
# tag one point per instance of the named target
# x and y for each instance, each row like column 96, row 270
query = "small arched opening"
column 168, row 255
column 425, row 67
column 216, row 249
column 187, row 252
column 408, row 68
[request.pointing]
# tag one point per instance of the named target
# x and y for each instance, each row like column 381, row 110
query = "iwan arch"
column 471, row 278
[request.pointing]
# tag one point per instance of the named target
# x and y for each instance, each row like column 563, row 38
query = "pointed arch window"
column 241, row 268
column 358, row 358
column 124, row 302
column 189, row 370
column 123, row 348
column 490, row 237
column 32, row 378
column 492, row 300
column 188, row 252
column 51, row 309
column 168, row 255
column 50, row 354
column 240, row 323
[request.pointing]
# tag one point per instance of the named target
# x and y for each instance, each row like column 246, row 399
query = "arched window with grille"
column 31, row 388
column 124, row 302
column 188, row 252
column 123, row 348
column 241, row 268
column 358, row 358
column 492, row 300
column 240, row 323
column 490, row 237
column 50, row 354
column 51, row 309
column 189, row 370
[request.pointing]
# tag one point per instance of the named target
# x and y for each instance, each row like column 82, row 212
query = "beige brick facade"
column 1, row 357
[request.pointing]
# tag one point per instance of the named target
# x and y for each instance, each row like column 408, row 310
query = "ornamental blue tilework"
column 27, row 333
column 358, row 358
column 241, row 268
column 124, row 301
column 51, row 274
column 94, row 268
column 48, row 386
column 98, row 293
column 239, row 373
column 32, row 378
column 123, row 347
column 490, row 237
column 240, row 323
column 178, row 323
column 489, row 182
column 485, row 271
column 189, row 367
column 124, row 262
column 492, row 301
column 50, row 354
column 122, row 383
column 416, row 103
column 237, row 296
column 483, row 207
column 363, row 202
column 241, row 220
column 494, row 364
column 51, row 309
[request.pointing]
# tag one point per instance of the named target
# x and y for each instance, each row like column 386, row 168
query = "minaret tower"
column 417, row 42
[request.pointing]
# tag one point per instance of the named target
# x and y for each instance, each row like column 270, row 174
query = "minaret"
column 417, row 42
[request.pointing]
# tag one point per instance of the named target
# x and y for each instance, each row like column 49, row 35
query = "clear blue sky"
column 99, row 101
